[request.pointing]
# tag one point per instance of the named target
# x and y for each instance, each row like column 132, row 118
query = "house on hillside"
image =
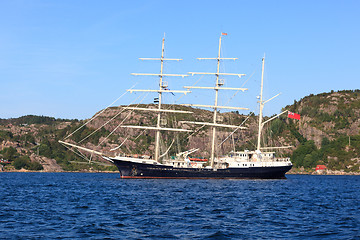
column 320, row 169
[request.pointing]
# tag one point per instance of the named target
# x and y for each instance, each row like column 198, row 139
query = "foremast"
column 162, row 89
column 218, row 85
column 157, row 137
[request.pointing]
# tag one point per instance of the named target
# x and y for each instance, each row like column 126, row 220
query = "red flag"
column 293, row 115
column 224, row 34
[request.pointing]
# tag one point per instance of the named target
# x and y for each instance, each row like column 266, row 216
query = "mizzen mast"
column 262, row 103
column 162, row 89
column 218, row 86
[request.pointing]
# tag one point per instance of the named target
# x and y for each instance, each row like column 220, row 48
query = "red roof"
column 320, row 167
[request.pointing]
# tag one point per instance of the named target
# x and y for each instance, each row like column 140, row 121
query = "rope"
column 236, row 129
column 184, row 94
column 171, row 105
column 239, row 90
column 126, row 140
column 77, row 153
column 167, row 149
column 108, row 121
column 195, row 131
column 98, row 113
column 145, row 129
column 121, row 121
column 119, row 145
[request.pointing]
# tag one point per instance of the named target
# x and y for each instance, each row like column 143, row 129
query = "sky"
column 70, row 59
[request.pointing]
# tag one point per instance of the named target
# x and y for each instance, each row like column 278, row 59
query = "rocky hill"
column 329, row 130
column 328, row 133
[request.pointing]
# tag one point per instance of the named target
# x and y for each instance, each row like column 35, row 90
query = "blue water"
column 102, row 206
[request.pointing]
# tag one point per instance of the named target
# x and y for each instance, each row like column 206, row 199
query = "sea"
column 103, row 206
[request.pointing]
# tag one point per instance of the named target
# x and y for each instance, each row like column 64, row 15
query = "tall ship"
column 259, row 163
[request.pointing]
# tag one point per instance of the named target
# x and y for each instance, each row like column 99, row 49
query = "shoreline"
column 329, row 173
column 326, row 172
column 41, row 171
column 293, row 171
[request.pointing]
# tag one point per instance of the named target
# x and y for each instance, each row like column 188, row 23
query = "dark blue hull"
column 141, row 170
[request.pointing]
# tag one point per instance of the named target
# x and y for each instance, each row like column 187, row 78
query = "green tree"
column 35, row 166
column 25, row 162
column 325, row 142
column 302, row 156
column 10, row 153
column 21, row 162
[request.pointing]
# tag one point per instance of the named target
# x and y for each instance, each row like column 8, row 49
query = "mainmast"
column 162, row 88
column 218, row 85
column 215, row 106
column 261, row 103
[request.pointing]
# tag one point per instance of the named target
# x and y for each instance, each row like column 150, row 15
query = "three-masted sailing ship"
column 255, row 164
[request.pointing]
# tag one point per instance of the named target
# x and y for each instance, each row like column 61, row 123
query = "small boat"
column 198, row 159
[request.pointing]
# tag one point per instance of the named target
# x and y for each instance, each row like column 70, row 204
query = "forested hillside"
column 328, row 133
column 31, row 142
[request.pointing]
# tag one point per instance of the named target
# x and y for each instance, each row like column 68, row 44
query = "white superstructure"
column 256, row 158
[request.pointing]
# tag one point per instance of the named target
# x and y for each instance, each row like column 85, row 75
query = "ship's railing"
column 134, row 156
column 273, row 159
column 282, row 160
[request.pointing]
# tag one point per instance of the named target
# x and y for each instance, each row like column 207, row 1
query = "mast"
column 261, row 103
column 218, row 86
column 157, row 137
column 162, row 89
column 215, row 107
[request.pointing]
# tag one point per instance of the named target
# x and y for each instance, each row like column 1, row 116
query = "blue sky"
column 70, row 59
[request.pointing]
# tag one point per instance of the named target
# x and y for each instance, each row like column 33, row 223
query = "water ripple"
column 102, row 206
